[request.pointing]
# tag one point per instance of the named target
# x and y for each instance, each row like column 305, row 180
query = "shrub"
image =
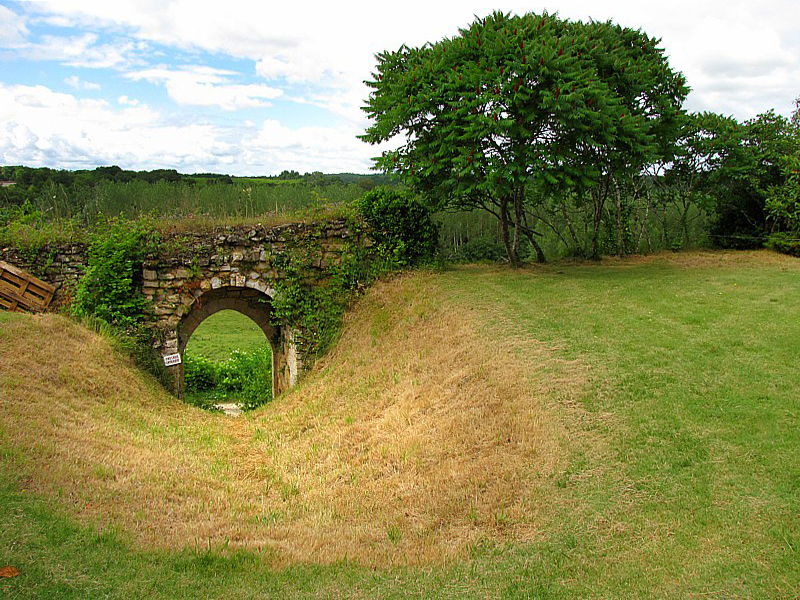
column 199, row 373
column 400, row 225
column 248, row 376
column 110, row 287
column 245, row 377
column 315, row 311
column 482, row 248
column 787, row 243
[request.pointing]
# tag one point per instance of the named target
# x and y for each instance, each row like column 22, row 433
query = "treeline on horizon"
column 730, row 184
column 38, row 177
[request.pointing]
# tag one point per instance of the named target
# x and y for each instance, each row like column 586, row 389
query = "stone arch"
column 257, row 306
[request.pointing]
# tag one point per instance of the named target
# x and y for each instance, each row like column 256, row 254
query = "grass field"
column 622, row 430
column 222, row 333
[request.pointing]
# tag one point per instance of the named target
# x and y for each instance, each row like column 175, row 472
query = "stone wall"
column 194, row 274
column 60, row 266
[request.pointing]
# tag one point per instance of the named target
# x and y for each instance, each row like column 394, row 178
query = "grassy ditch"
column 625, row 429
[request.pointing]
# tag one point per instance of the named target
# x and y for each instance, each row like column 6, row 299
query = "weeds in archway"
column 245, row 377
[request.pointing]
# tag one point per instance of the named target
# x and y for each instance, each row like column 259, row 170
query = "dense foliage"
column 315, row 311
column 33, row 178
column 111, row 287
column 747, row 163
column 400, row 225
column 245, row 377
column 518, row 103
column 46, row 204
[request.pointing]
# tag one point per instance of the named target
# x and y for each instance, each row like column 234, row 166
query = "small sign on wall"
column 170, row 360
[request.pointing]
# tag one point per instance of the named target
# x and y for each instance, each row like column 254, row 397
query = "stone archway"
column 257, row 306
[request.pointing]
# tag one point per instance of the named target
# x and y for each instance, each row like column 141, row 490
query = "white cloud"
column 274, row 147
column 740, row 58
column 80, row 51
column 43, row 127
column 12, row 28
column 125, row 101
column 75, row 82
column 205, row 86
column 39, row 126
column 332, row 44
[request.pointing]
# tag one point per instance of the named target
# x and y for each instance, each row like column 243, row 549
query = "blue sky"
column 253, row 88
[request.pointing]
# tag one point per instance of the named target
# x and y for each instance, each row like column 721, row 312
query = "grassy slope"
column 636, row 423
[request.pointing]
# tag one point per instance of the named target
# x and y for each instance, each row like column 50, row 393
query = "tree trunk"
column 621, row 250
column 644, row 224
column 522, row 223
column 540, row 257
column 511, row 245
column 578, row 245
column 531, row 235
column 599, row 201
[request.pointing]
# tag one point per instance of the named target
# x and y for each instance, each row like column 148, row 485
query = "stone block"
column 261, row 286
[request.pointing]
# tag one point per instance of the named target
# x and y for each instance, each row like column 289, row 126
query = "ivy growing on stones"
column 111, row 287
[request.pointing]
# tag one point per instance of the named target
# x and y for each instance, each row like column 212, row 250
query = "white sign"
column 170, row 360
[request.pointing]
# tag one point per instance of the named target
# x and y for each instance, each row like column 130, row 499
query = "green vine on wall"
column 110, row 289
column 313, row 296
column 313, row 299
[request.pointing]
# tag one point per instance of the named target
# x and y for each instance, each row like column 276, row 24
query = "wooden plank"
column 4, row 266
column 19, row 289
column 28, row 289
column 10, row 277
column 16, row 300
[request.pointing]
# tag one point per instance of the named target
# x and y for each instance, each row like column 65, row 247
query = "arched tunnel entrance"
column 257, row 306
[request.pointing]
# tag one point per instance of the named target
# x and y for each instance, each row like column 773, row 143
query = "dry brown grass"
column 703, row 258
column 413, row 440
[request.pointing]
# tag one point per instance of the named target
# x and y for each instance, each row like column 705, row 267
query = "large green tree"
column 783, row 198
column 742, row 164
column 519, row 101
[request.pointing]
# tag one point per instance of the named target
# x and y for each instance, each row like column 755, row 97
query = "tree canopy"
column 519, row 101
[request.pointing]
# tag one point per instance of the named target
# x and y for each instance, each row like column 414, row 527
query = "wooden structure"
column 22, row 291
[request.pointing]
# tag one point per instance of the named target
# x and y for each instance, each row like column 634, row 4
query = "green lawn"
column 222, row 333
column 695, row 387
column 691, row 489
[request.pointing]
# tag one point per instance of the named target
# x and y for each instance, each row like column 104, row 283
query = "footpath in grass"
column 682, row 478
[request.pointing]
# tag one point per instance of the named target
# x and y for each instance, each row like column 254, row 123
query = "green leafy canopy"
column 514, row 100
column 516, row 97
